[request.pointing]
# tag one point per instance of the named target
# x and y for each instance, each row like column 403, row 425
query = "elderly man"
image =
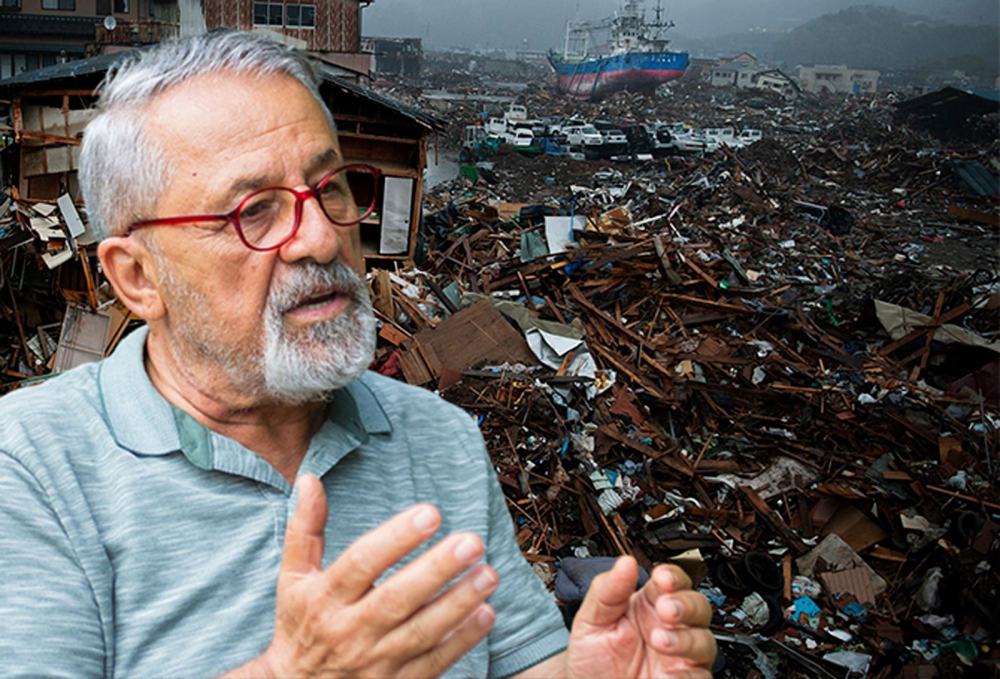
column 230, row 491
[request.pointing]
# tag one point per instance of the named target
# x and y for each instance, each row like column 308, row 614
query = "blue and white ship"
column 638, row 60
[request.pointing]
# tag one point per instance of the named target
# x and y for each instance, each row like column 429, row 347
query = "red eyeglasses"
column 268, row 218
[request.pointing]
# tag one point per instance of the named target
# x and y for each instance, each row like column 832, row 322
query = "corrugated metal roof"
column 949, row 107
column 67, row 71
column 329, row 73
column 424, row 118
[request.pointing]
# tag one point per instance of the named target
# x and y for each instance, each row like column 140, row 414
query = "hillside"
column 886, row 38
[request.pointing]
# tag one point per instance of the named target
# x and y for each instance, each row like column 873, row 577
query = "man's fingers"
column 368, row 557
column 688, row 674
column 663, row 580
column 608, row 597
column 687, row 609
column 437, row 620
column 437, row 660
column 697, row 646
column 407, row 591
column 304, row 537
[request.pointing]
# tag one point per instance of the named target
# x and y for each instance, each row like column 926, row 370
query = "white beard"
column 283, row 368
column 327, row 355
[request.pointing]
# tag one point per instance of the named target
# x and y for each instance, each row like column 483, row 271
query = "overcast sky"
column 507, row 23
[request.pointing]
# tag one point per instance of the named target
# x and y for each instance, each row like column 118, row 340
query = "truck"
column 477, row 144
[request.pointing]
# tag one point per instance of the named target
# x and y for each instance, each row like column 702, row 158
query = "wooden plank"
column 773, row 520
column 950, row 316
column 661, row 251
column 657, row 455
column 584, row 302
column 474, row 335
column 973, row 216
column 377, row 137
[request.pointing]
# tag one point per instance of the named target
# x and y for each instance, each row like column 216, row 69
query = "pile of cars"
column 598, row 140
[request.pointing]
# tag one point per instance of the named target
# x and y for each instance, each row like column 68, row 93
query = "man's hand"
column 334, row 623
column 659, row 631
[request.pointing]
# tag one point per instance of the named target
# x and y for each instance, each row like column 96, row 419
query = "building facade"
column 320, row 25
column 397, row 57
column 732, row 74
column 838, row 79
column 37, row 33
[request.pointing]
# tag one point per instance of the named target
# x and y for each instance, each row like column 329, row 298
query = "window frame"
column 303, row 10
column 269, row 14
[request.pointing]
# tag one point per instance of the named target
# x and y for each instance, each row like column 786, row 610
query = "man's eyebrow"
column 324, row 159
column 246, row 185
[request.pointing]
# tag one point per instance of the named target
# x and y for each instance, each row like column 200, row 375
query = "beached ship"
column 637, row 58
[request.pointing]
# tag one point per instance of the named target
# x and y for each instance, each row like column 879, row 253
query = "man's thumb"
column 304, row 538
column 608, row 598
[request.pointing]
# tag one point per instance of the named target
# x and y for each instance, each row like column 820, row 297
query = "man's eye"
column 255, row 210
column 334, row 186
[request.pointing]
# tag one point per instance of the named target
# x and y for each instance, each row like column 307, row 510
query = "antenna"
column 110, row 23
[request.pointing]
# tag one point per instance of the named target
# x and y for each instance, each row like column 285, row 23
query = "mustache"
column 310, row 279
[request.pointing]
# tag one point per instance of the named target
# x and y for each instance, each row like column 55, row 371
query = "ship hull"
column 597, row 78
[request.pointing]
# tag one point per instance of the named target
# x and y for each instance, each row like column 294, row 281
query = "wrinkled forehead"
column 223, row 128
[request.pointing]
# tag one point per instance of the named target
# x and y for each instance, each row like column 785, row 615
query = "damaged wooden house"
column 56, row 310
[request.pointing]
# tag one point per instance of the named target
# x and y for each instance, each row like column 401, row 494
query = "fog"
column 510, row 24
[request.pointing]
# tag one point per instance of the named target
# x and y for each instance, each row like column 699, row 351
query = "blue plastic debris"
column 855, row 610
column 806, row 606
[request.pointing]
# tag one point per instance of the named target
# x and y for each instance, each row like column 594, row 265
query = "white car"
column 614, row 137
column 496, row 127
column 515, row 113
column 519, row 136
column 747, row 137
column 585, row 135
column 723, row 135
column 695, row 142
column 675, row 129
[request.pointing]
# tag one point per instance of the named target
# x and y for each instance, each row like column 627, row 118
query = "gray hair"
column 123, row 171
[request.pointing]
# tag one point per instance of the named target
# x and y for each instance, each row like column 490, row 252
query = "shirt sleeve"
column 529, row 627
column 49, row 620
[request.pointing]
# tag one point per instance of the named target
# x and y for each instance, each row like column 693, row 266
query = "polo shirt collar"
column 138, row 416
column 144, row 422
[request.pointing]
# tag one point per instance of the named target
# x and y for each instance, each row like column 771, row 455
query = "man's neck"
column 279, row 433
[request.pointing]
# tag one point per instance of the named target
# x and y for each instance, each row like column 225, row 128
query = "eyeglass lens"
column 268, row 217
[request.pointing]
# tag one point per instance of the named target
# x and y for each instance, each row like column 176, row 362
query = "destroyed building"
column 395, row 57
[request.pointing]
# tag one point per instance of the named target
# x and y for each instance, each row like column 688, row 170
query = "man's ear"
column 130, row 268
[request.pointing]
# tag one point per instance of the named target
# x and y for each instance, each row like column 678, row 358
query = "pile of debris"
column 777, row 368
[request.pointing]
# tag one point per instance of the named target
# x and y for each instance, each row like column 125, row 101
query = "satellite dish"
column 110, row 23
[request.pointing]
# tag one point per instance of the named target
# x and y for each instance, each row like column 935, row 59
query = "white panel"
column 397, row 206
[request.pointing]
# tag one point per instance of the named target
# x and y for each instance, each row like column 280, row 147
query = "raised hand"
column 334, row 622
column 659, row 631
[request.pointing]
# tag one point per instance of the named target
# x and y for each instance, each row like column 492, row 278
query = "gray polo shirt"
column 136, row 543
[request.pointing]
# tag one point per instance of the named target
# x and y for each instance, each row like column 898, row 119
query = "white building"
column 733, row 74
column 745, row 75
column 777, row 81
column 838, row 79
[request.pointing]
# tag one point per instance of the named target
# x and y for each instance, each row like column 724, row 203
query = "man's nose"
column 317, row 238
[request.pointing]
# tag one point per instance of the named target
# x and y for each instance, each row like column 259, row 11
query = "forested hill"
column 886, row 38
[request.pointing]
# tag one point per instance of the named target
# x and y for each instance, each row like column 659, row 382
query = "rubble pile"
column 776, row 367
